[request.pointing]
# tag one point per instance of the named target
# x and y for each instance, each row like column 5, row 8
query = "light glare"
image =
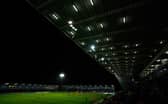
column 91, row 2
column 70, row 23
column 107, row 39
column 161, row 42
column 111, row 48
column 83, row 43
column 72, row 33
column 76, row 9
column 89, row 28
column 166, row 52
column 76, row 29
column 135, row 52
column 55, row 16
column 101, row 25
column 61, row 75
column 124, row 19
column 102, row 58
column 158, row 60
column 97, row 41
column 136, row 45
column 92, row 47
column 125, row 46
column 126, row 53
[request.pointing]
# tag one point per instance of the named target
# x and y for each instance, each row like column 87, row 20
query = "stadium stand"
column 40, row 87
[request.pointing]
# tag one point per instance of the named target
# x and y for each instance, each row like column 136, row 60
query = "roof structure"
column 124, row 36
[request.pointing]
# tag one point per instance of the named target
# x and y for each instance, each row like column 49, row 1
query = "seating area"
column 36, row 87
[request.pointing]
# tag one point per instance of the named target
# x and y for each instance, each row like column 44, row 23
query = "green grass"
column 50, row 98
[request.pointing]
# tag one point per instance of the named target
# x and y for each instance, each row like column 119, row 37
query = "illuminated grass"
column 50, row 98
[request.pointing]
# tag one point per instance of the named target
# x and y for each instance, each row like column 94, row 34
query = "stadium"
column 86, row 52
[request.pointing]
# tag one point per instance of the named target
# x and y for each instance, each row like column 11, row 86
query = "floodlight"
column 101, row 25
column 55, row 16
column 91, row 1
column 161, row 42
column 102, row 59
column 92, row 47
column 61, row 75
column 76, row 9
column 166, row 52
column 70, row 22
column 89, row 28
column 124, row 19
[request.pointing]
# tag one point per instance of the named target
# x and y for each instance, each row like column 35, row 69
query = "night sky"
column 34, row 51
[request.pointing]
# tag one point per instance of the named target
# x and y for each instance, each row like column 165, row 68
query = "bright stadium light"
column 125, row 46
column 75, row 8
column 107, row 39
column 75, row 29
column 70, row 22
column 136, row 45
column 62, row 75
column 161, row 42
column 102, row 59
column 71, row 25
column 166, row 52
column 92, row 47
column 91, row 1
column 89, row 28
column 101, row 25
column 55, row 16
column 124, row 19
column 135, row 52
column 83, row 43
column 97, row 41
column 158, row 60
column 72, row 33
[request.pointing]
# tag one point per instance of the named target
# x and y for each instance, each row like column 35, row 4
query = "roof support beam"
column 112, row 12
column 109, row 33
column 45, row 4
column 156, row 57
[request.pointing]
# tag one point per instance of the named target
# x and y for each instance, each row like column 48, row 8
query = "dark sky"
column 34, row 51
